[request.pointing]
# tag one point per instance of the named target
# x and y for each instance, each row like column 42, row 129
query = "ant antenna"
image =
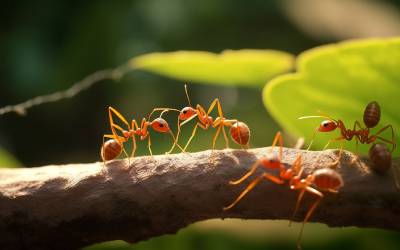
column 316, row 116
column 187, row 95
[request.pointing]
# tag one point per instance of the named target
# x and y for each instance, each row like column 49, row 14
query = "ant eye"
column 161, row 125
column 325, row 124
column 185, row 112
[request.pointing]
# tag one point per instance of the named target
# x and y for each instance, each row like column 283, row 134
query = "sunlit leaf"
column 7, row 160
column 338, row 80
column 231, row 67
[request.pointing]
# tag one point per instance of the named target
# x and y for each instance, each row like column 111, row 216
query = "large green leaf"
column 231, row 67
column 338, row 80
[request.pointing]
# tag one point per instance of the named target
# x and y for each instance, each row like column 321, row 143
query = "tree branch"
column 76, row 88
column 71, row 206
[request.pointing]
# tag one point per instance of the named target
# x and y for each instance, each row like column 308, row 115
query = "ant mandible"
column 239, row 131
column 158, row 124
column 271, row 161
column 371, row 119
column 324, row 179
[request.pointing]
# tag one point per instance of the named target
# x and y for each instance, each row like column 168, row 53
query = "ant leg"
column 111, row 111
column 115, row 134
column 133, row 149
column 149, row 146
column 225, row 122
column 356, row 126
column 309, row 213
column 192, row 136
column 216, row 137
column 175, row 142
column 252, row 185
column 225, row 137
column 221, row 115
column 298, row 171
column 177, row 137
column 357, row 156
column 213, row 143
column 251, row 171
column 299, row 143
column 299, row 199
column 374, row 137
column 212, row 105
column 335, row 163
column 278, row 137
column 296, row 166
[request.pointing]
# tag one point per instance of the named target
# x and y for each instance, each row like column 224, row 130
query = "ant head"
column 160, row 125
column 327, row 126
column 186, row 113
column 272, row 161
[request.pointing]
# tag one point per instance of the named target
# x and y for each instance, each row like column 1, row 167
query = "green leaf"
column 339, row 80
column 7, row 160
column 232, row 67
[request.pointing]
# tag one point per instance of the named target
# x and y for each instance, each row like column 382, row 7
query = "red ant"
column 324, row 179
column 239, row 131
column 371, row 119
column 133, row 129
column 272, row 161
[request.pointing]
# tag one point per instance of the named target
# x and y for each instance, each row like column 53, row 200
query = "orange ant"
column 271, row 161
column 324, row 179
column 239, row 131
column 371, row 119
column 158, row 124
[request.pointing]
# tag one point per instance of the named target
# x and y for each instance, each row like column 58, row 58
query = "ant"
column 158, row 124
column 239, row 131
column 371, row 118
column 324, row 179
column 271, row 161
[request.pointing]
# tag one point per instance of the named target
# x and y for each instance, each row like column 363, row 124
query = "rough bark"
column 71, row 206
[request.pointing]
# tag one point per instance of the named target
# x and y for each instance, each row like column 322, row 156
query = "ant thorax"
column 208, row 120
column 128, row 134
column 271, row 161
column 363, row 134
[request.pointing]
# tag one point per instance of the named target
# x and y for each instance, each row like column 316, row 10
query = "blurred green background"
column 48, row 45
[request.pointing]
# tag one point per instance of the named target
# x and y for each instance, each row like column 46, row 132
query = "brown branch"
column 67, row 207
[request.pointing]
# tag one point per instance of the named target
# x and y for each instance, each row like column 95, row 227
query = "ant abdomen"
column 372, row 114
column 111, row 150
column 327, row 179
column 240, row 133
column 381, row 158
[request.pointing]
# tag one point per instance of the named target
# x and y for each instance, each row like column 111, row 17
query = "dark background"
column 46, row 46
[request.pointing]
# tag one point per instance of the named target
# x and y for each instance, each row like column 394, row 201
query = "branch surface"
column 71, row 206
